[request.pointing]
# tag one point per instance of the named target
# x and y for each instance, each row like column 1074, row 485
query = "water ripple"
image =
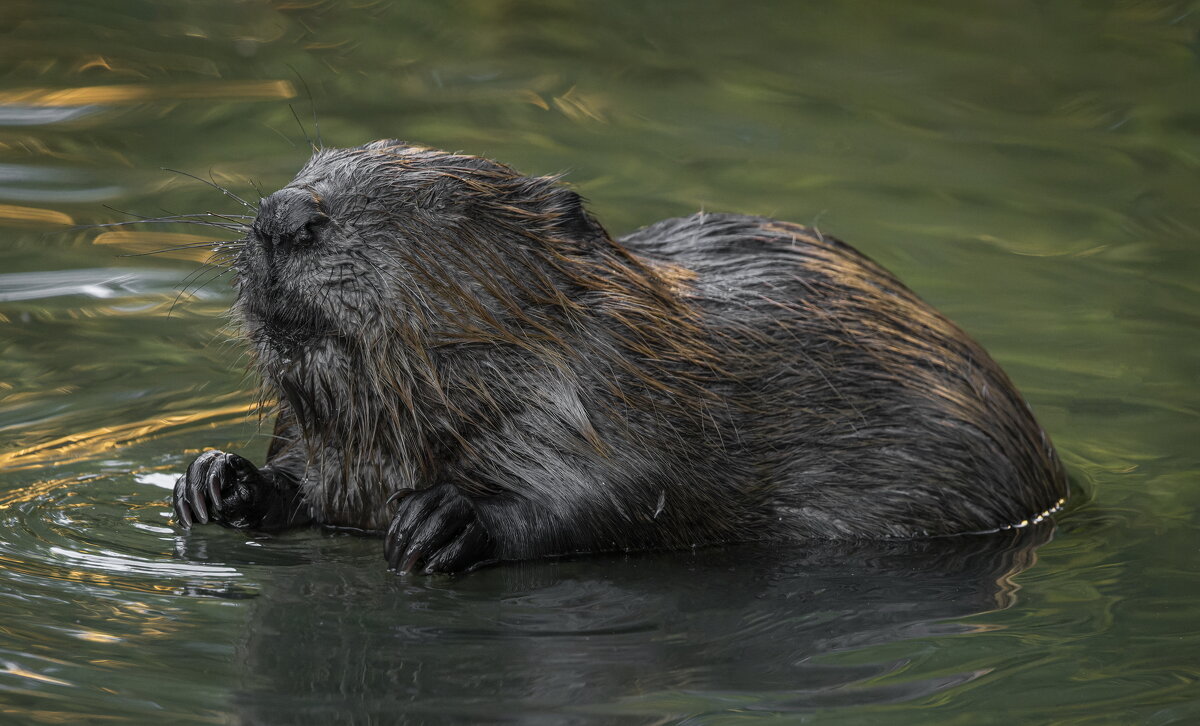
column 100, row 283
column 11, row 115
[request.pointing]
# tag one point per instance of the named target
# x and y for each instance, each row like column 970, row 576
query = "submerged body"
column 464, row 358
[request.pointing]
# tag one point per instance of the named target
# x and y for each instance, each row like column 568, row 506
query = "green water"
column 1031, row 168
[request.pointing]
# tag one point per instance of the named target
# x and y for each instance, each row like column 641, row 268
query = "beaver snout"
column 288, row 218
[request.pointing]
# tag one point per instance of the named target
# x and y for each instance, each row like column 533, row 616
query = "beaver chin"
column 286, row 324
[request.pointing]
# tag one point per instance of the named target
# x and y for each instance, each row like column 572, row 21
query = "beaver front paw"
column 439, row 529
column 224, row 488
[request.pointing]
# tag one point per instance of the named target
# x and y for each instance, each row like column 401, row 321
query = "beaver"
column 464, row 360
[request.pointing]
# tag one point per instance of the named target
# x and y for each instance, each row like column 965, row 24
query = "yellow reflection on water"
column 139, row 93
column 30, row 493
column 145, row 242
column 16, row 670
column 85, row 444
column 10, row 213
column 579, row 106
column 95, row 636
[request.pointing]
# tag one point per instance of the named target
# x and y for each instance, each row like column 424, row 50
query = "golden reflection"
column 531, row 96
column 33, row 146
column 11, row 213
column 122, row 94
column 174, row 304
column 95, row 636
column 31, row 492
column 578, row 107
column 139, row 70
column 16, row 670
column 141, row 581
column 85, row 444
column 141, row 242
column 127, row 584
column 107, row 64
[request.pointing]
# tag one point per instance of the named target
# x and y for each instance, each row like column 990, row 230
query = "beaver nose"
column 287, row 217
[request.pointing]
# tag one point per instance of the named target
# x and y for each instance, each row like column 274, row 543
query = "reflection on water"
column 105, row 282
column 17, row 115
column 15, row 215
column 89, row 444
column 87, row 96
column 716, row 631
column 1030, row 168
column 52, row 186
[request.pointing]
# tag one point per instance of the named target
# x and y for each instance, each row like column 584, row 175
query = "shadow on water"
column 644, row 639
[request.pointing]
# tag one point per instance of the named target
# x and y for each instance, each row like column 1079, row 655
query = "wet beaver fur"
column 465, row 360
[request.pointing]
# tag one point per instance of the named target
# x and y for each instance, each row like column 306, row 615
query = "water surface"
column 1031, row 168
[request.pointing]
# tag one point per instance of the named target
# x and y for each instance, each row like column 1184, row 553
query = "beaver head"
column 380, row 267
column 389, row 239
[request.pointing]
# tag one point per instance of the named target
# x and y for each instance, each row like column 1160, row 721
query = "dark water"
column 1032, row 168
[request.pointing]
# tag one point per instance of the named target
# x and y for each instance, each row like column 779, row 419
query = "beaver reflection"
column 616, row 640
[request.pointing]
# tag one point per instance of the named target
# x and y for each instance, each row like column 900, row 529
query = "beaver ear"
column 570, row 219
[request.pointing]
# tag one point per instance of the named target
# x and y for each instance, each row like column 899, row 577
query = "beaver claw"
column 439, row 529
column 224, row 488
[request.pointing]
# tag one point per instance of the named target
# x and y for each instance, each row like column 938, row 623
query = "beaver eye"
column 308, row 232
